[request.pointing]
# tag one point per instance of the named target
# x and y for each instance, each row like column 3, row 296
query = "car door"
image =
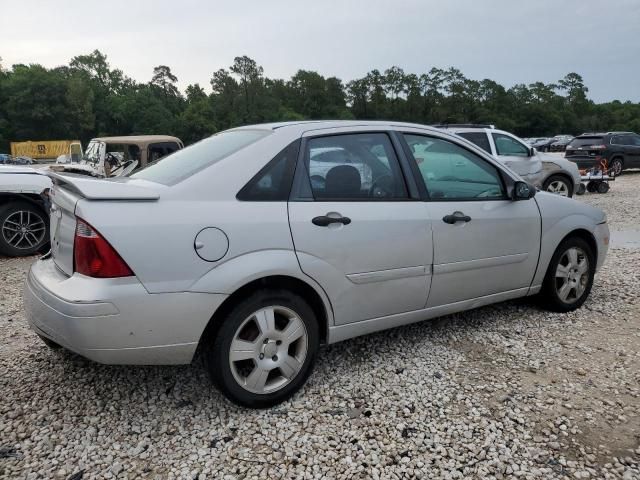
column 632, row 151
column 355, row 229
column 484, row 243
column 517, row 156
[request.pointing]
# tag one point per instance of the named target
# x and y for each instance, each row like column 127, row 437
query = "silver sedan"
column 258, row 244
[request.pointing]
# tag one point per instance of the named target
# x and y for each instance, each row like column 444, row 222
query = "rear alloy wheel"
column 616, row 166
column 24, row 229
column 559, row 185
column 265, row 349
column 569, row 276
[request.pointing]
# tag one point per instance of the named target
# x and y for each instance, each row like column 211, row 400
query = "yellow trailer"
column 42, row 150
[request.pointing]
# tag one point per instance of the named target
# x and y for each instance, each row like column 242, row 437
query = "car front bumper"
column 602, row 236
column 115, row 321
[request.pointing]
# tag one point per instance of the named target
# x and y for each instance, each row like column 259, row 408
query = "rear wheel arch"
column 272, row 282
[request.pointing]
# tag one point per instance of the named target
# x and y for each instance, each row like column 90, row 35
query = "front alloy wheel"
column 569, row 276
column 572, row 275
column 264, row 349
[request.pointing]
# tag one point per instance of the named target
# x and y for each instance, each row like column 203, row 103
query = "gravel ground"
column 500, row 392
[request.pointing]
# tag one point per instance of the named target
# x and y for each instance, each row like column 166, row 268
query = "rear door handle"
column 456, row 217
column 324, row 221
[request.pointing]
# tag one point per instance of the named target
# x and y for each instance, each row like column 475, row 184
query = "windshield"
column 182, row 164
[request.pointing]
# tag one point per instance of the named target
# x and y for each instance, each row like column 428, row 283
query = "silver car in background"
column 550, row 173
column 260, row 243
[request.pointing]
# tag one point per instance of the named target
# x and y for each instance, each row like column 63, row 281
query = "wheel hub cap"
column 572, row 275
column 268, row 349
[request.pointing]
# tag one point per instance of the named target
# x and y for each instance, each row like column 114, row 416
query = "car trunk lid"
column 68, row 190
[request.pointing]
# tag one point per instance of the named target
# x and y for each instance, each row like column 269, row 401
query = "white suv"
column 547, row 172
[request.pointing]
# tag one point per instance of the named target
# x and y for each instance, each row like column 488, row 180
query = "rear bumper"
column 584, row 162
column 115, row 321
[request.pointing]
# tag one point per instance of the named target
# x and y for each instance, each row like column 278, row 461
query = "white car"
column 231, row 246
column 547, row 172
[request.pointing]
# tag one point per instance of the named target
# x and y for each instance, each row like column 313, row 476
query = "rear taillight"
column 598, row 147
column 94, row 257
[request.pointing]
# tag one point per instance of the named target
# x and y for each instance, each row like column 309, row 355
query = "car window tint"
column 506, row 145
column 360, row 166
column 479, row 138
column 451, row 172
column 184, row 163
column 273, row 182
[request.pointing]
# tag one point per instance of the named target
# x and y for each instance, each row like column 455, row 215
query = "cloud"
column 510, row 42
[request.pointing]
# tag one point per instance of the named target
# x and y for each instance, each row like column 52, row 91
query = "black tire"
column 603, row 187
column 549, row 296
column 7, row 213
column 616, row 166
column 217, row 352
column 581, row 189
column 592, row 186
column 559, row 178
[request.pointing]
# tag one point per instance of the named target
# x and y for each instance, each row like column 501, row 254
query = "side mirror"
column 523, row 191
column 532, row 152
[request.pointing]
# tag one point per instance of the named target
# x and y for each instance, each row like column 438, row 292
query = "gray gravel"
column 500, row 392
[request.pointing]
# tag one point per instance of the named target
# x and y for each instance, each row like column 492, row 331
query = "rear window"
column 586, row 141
column 182, row 164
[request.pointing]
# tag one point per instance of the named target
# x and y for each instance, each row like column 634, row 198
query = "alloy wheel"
column 24, row 229
column 572, row 275
column 268, row 350
column 559, row 188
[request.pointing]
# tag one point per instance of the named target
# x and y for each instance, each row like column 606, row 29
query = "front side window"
column 505, row 145
column 186, row 162
column 358, row 167
column 478, row 138
column 451, row 172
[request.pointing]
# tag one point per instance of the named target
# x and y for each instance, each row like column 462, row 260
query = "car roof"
column 138, row 139
column 311, row 125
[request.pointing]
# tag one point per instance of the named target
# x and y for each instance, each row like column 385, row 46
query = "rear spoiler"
column 101, row 189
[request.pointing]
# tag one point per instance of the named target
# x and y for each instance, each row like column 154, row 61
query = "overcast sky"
column 504, row 40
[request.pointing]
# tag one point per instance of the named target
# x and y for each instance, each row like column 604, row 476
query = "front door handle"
column 324, row 221
column 456, row 217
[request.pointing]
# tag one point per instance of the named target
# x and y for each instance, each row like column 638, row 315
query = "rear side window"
column 508, row 146
column 273, row 182
column 188, row 161
column 587, row 141
column 479, row 138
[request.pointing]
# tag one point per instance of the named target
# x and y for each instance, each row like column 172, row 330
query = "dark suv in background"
column 620, row 149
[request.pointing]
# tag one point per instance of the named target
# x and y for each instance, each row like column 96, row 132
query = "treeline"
column 89, row 98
